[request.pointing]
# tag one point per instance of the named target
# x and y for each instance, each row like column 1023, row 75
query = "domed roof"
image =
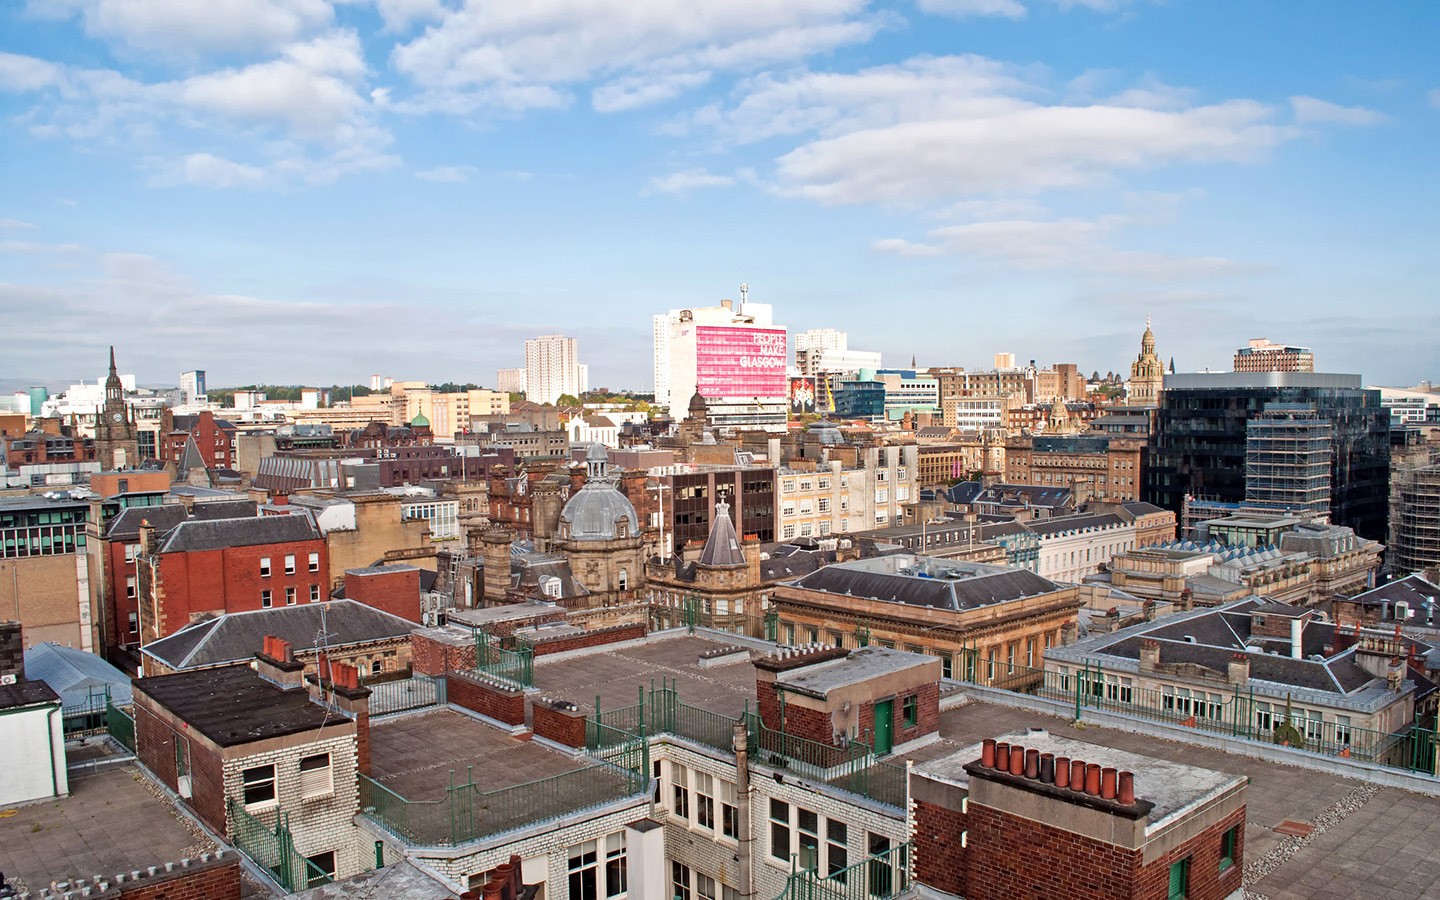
column 595, row 511
column 419, row 421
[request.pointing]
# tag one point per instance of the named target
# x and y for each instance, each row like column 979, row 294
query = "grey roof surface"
column 221, row 533
column 233, row 705
column 126, row 523
column 722, row 545
column 26, row 693
column 1141, row 508
column 1066, row 524
column 1412, row 589
column 989, row 584
column 860, row 665
column 592, row 512
column 73, row 673
column 237, row 637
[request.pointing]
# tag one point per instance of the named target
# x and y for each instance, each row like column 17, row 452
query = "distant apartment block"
column 1264, row 355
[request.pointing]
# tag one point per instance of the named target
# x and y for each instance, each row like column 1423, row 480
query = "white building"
column 192, row 386
column 825, row 351
column 553, row 369
column 1072, row 547
column 734, row 358
column 511, row 381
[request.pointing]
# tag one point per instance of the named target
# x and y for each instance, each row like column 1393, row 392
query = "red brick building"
column 1032, row 816
column 394, row 589
column 214, row 439
column 227, row 565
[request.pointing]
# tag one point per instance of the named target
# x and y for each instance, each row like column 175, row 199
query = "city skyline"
column 394, row 184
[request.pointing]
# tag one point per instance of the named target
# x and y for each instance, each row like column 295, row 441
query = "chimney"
column 1149, row 655
column 1237, row 671
column 12, row 653
column 1297, row 635
column 1395, row 674
column 147, row 537
column 277, row 664
column 1147, row 610
column 350, row 698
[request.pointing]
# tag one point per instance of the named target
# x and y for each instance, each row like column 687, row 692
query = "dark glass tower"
column 1199, row 443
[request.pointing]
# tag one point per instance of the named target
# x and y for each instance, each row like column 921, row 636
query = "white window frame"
column 264, row 567
column 318, row 780
column 315, row 562
column 259, row 780
column 289, row 564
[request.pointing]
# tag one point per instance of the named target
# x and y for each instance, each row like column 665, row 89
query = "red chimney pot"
column 1062, row 772
column 1127, row 788
column 1107, row 783
column 1032, row 763
column 987, row 753
column 1092, row 779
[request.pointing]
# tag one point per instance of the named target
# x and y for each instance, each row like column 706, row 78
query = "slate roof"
column 234, row 705
column 1141, row 508
column 722, row 546
column 237, row 637
column 1067, row 524
column 74, row 673
column 126, row 523
column 221, row 533
column 993, row 584
column 1412, row 589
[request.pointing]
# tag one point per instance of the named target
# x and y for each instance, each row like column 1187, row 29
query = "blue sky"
column 315, row 190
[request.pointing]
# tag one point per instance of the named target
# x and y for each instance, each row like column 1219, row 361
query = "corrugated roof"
column 73, row 673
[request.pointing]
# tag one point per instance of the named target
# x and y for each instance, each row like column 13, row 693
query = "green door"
column 884, row 726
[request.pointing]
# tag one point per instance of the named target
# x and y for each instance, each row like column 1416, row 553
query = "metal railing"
column 273, row 849
column 87, row 717
column 120, row 725
column 415, row 692
column 467, row 813
column 879, row 877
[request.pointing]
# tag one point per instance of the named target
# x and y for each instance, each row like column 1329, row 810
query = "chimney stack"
column 12, row 653
column 349, row 697
column 1149, row 655
column 1237, row 671
column 1297, row 635
column 277, row 664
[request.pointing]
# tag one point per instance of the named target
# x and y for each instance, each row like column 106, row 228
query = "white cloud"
column 208, row 170
column 1310, row 111
column 447, row 174
column 960, row 9
column 17, row 225
column 517, row 55
column 401, row 14
column 936, row 130
column 187, row 27
column 686, row 181
column 1434, row 97
column 1078, row 245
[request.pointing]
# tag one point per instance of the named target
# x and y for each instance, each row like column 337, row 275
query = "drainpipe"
column 744, row 837
column 1297, row 629
column 50, row 736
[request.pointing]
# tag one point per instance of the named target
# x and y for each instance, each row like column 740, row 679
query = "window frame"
column 260, row 782
column 265, row 567
column 1228, row 842
column 309, row 787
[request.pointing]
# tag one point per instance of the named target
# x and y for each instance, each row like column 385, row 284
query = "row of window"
column 314, row 564
column 591, row 875
column 1180, row 869
column 267, row 596
column 258, row 783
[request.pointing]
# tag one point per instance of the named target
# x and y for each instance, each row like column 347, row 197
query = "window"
column 836, row 855
column 134, row 622
column 788, row 532
column 679, row 882
column 290, row 596
column 680, row 792
column 1263, row 719
column 787, row 509
column 130, row 586
column 947, row 666
column 583, row 870
column 809, row 828
column 787, row 487
column 910, row 710
column 131, row 551
column 289, row 564
column 882, row 495
column 258, row 785
column 316, row 779
column 375, row 667
column 265, row 599
column 314, row 562
column 806, row 529
column 779, row 830
column 1179, row 879
column 1342, row 730
column 264, row 567
column 1227, row 848
column 320, row 869
column 704, row 887
column 314, row 593
column 729, row 812
column 704, row 801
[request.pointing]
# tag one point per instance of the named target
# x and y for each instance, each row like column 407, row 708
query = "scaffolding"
column 1415, row 520
column 1288, row 453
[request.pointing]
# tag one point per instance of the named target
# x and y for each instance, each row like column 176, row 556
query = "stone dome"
column 596, row 513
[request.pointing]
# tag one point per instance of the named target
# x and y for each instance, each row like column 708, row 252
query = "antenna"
column 744, row 293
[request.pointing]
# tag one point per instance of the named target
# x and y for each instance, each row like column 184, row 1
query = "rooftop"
column 237, row 637
column 614, row 675
column 859, row 666
column 219, row 534
column 927, row 581
column 233, row 705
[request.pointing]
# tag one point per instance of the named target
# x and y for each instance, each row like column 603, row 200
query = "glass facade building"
column 1201, row 431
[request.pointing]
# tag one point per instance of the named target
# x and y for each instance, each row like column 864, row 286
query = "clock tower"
column 116, row 446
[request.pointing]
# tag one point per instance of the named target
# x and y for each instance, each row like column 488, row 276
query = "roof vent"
column 1189, row 638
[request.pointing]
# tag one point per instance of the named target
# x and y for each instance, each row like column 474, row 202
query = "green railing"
column 467, row 813
column 1233, row 711
column 691, row 614
column 120, row 725
column 516, row 666
column 415, row 692
column 273, row 849
column 87, row 717
column 851, row 766
column 880, row 877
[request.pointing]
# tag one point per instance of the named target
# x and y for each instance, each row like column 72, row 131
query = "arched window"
column 624, row 579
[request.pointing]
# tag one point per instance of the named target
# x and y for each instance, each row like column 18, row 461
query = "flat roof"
column 233, row 705
column 614, row 675
column 507, row 613
column 860, row 665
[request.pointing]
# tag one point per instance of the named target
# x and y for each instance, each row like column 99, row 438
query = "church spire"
column 112, row 359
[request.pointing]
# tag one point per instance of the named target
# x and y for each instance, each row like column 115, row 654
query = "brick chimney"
column 1147, row 610
column 341, row 681
column 277, row 664
column 12, row 653
column 1237, row 670
column 1149, row 655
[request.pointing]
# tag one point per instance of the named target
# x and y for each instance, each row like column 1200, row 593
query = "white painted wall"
column 34, row 767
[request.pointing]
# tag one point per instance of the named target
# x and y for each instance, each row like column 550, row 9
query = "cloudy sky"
column 315, row 190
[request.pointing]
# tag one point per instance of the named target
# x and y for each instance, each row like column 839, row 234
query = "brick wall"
column 12, row 650
column 432, row 656
column 554, row 721
column 216, row 880
column 155, row 745
column 486, row 698
column 1207, row 882
column 229, row 580
column 396, row 591
column 595, row 638
column 939, row 859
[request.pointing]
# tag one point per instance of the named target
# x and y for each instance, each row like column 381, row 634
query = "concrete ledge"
column 514, row 731
column 1359, row 770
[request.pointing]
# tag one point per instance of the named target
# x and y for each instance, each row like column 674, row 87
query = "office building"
column 192, row 387
column 1288, row 450
column 1264, row 355
column 1201, row 439
column 511, row 381
column 553, row 369
column 825, row 351
column 1415, row 520
column 734, row 358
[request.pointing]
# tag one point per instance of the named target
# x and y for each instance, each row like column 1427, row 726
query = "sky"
column 312, row 191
